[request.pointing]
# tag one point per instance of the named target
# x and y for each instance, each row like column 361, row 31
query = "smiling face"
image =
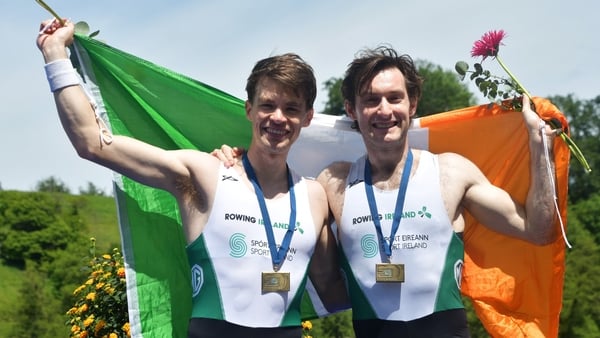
column 383, row 110
column 277, row 115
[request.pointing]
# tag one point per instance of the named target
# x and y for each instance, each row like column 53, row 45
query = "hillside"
column 97, row 214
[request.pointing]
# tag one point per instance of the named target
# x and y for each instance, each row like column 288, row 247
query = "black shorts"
column 450, row 323
column 213, row 328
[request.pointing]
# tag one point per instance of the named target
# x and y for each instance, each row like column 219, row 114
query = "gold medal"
column 275, row 281
column 389, row 273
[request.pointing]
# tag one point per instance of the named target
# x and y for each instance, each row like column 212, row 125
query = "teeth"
column 384, row 124
column 276, row 131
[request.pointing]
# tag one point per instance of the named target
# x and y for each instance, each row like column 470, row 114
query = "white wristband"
column 61, row 74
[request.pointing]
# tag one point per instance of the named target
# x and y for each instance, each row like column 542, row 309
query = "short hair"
column 289, row 70
column 369, row 62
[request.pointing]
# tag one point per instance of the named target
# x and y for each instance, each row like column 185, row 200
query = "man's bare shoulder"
column 450, row 160
column 456, row 169
column 336, row 171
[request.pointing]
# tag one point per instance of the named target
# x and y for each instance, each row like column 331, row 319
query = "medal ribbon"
column 399, row 202
column 277, row 256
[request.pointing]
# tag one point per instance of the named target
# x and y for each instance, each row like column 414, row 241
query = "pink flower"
column 488, row 45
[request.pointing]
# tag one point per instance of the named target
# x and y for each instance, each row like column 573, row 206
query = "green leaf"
column 461, row 68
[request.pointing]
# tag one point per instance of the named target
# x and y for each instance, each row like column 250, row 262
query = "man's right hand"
column 53, row 38
column 228, row 155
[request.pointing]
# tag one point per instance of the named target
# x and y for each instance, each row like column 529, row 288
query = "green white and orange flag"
column 516, row 287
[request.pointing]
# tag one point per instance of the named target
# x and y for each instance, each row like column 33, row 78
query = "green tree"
column 37, row 313
column 32, row 228
column 442, row 90
column 580, row 315
column 335, row 100
column 91, row 190
column 586, row 213
column 64, row 271
column 52, row 184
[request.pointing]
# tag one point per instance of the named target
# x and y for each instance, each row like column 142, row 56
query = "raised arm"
column 533, row 222
column 140, row 161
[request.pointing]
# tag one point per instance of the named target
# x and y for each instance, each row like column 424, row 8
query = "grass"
column 100, row 215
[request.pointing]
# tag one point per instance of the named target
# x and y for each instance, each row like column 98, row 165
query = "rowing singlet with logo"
column 425, row 243
column 227, row 259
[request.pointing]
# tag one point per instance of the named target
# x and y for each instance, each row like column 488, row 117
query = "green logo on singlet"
column 368, row 244
column 424, row 213
column 237, row 245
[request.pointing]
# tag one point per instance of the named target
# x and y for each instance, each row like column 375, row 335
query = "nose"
column 385, row 107
column 277, row 115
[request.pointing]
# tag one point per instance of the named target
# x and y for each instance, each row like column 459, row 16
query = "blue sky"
column 551, row 46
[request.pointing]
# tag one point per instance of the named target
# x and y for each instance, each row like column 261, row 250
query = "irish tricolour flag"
column 516, row 287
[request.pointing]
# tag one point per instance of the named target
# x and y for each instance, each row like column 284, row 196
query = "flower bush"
column 503, row 91
column 100, row 308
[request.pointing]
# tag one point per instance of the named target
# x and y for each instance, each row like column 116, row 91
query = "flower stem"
column 576, row 151
column 570, row 143
column 514, row 78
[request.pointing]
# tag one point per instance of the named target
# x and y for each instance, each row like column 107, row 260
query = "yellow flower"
column 83, row 334
column 106, row 256
column 121, row 272
column 91, row 296
column 88, row 321
column 306, row 325
column 78, row 290
column 99, row 326
column 126, row 328
column 71, row 311
column 99, row 286
column 83, row 308
column 112, row 335
column 89, row 281
column 75, row 329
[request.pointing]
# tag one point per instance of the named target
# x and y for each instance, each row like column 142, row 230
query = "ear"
column 350, row 112
column 413, row 108
column 248, row 108
column 309, row 115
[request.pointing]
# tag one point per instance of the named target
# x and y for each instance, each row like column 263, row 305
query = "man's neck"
column 271, row 172
column 387, row 168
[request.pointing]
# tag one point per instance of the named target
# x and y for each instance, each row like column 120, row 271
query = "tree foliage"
column 38, row 315
column 580, row 316
column 442, row 90
column 335, row 100
column 91, row 190
column 52, row 184
column 32, row 228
